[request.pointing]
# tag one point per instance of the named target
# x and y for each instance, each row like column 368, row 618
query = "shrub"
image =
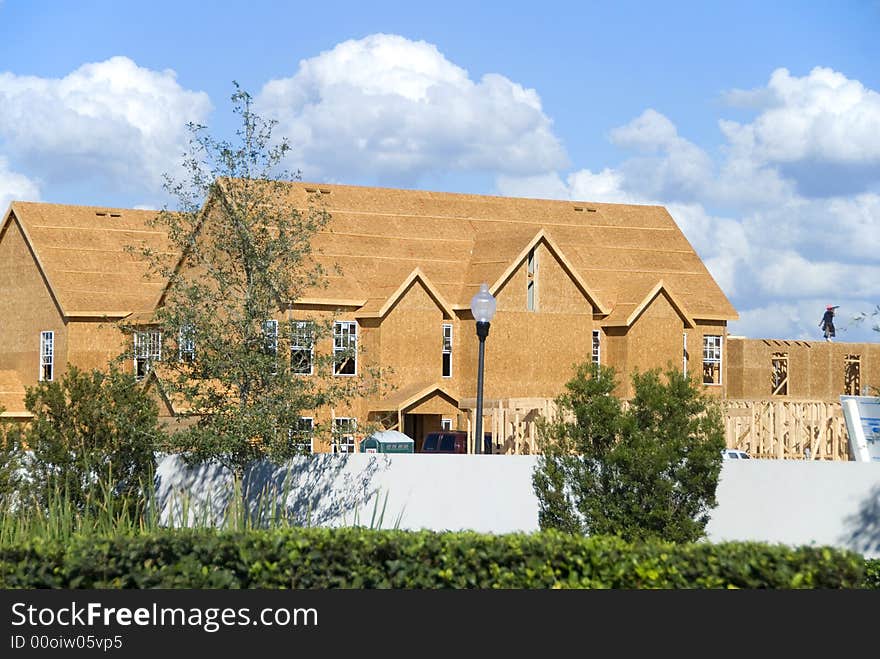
column 92, row 433
column 646, row 470
column 325, row 558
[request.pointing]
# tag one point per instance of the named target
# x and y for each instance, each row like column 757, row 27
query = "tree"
column 11, row 463
column 864, row 316
column 246, row 258
column 92, row 433
column 646, row 469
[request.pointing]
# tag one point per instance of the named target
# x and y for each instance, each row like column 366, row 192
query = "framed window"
column 712, row 359
column 684, row 353
column 779, row 374
column 47, row 356
column 447, row 350
column 302, row 437
column 852, row 375
column 186, row 344
column 344, row 348
column 597, row 348
column 531, row 281
column 343, row 434
column 302, row 347
column 270, row 340
column 270, row 336
column 147, row 349
column 445, row 424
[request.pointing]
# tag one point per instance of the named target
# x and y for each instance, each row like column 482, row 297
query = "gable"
column 82, row 251
column 22, row 278
column 417, row 292
column 635, row 302
column 555, row 281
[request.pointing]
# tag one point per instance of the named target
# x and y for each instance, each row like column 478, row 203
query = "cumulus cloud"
column 823, row 116
column 15, row 186
column 392, row 109
column 111, row 119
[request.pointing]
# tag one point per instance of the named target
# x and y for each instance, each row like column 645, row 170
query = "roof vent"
column 311, row 190
column 581, row 209
column 324, row 191
column 107, row 214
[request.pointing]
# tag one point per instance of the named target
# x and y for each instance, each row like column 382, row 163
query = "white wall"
column 791, row 502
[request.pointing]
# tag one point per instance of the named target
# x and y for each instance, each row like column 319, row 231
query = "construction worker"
column 827, row 322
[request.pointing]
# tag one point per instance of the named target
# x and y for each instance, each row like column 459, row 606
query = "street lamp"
column 483, row 308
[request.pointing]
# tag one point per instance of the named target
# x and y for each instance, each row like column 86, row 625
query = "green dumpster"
column 387, row 441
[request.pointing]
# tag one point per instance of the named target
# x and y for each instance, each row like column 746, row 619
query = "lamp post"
column 483, row 308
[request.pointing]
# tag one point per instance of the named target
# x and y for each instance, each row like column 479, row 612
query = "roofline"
column 645, row 303
column 90, row 315
column 566, row 264
column 329, row 302
column 416, row 274
column 415, row 398
column 571, row 202
column 734, row 316
column 17, row 415
column 661, row 286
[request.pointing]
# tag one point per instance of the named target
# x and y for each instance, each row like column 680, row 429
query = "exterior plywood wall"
column 816, row 369
column 94, row 344
column 410, row 338
column 653, row 341
column 531, row 352
column 26, row 309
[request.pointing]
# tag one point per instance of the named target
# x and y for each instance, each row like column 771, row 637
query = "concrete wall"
column 777, row 501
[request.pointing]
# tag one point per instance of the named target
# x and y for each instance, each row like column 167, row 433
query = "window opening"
column 779, row 374
column 147, row 349
column 712, row 359
column 344, row 348
column 343, row 434
column 47, row 356
column 447, row 350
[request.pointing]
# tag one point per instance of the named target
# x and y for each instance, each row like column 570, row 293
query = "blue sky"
column 756, row 124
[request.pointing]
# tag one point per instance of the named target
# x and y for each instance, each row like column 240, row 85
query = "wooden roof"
column 81, row 251
column 379, row 236
column 385, row 239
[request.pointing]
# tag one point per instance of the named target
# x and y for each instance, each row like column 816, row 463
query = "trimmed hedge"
column 360, row 558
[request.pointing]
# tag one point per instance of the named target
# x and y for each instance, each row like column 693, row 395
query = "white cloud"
column 15, row 186
column 110, row 119
column 649, row 131
column 823, row 116
column 393, row 109
column 799, row 320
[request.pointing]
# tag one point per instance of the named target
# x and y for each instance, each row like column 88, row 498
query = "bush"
column 11, row 462
column 92, row 434
column 645, row 470
column 872, row 573
column 323, row 558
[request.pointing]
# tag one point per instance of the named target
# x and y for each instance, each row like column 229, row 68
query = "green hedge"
column 359, row 558
column 872, row 573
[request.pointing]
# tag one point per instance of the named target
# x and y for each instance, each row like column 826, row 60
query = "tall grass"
column 105, row 513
